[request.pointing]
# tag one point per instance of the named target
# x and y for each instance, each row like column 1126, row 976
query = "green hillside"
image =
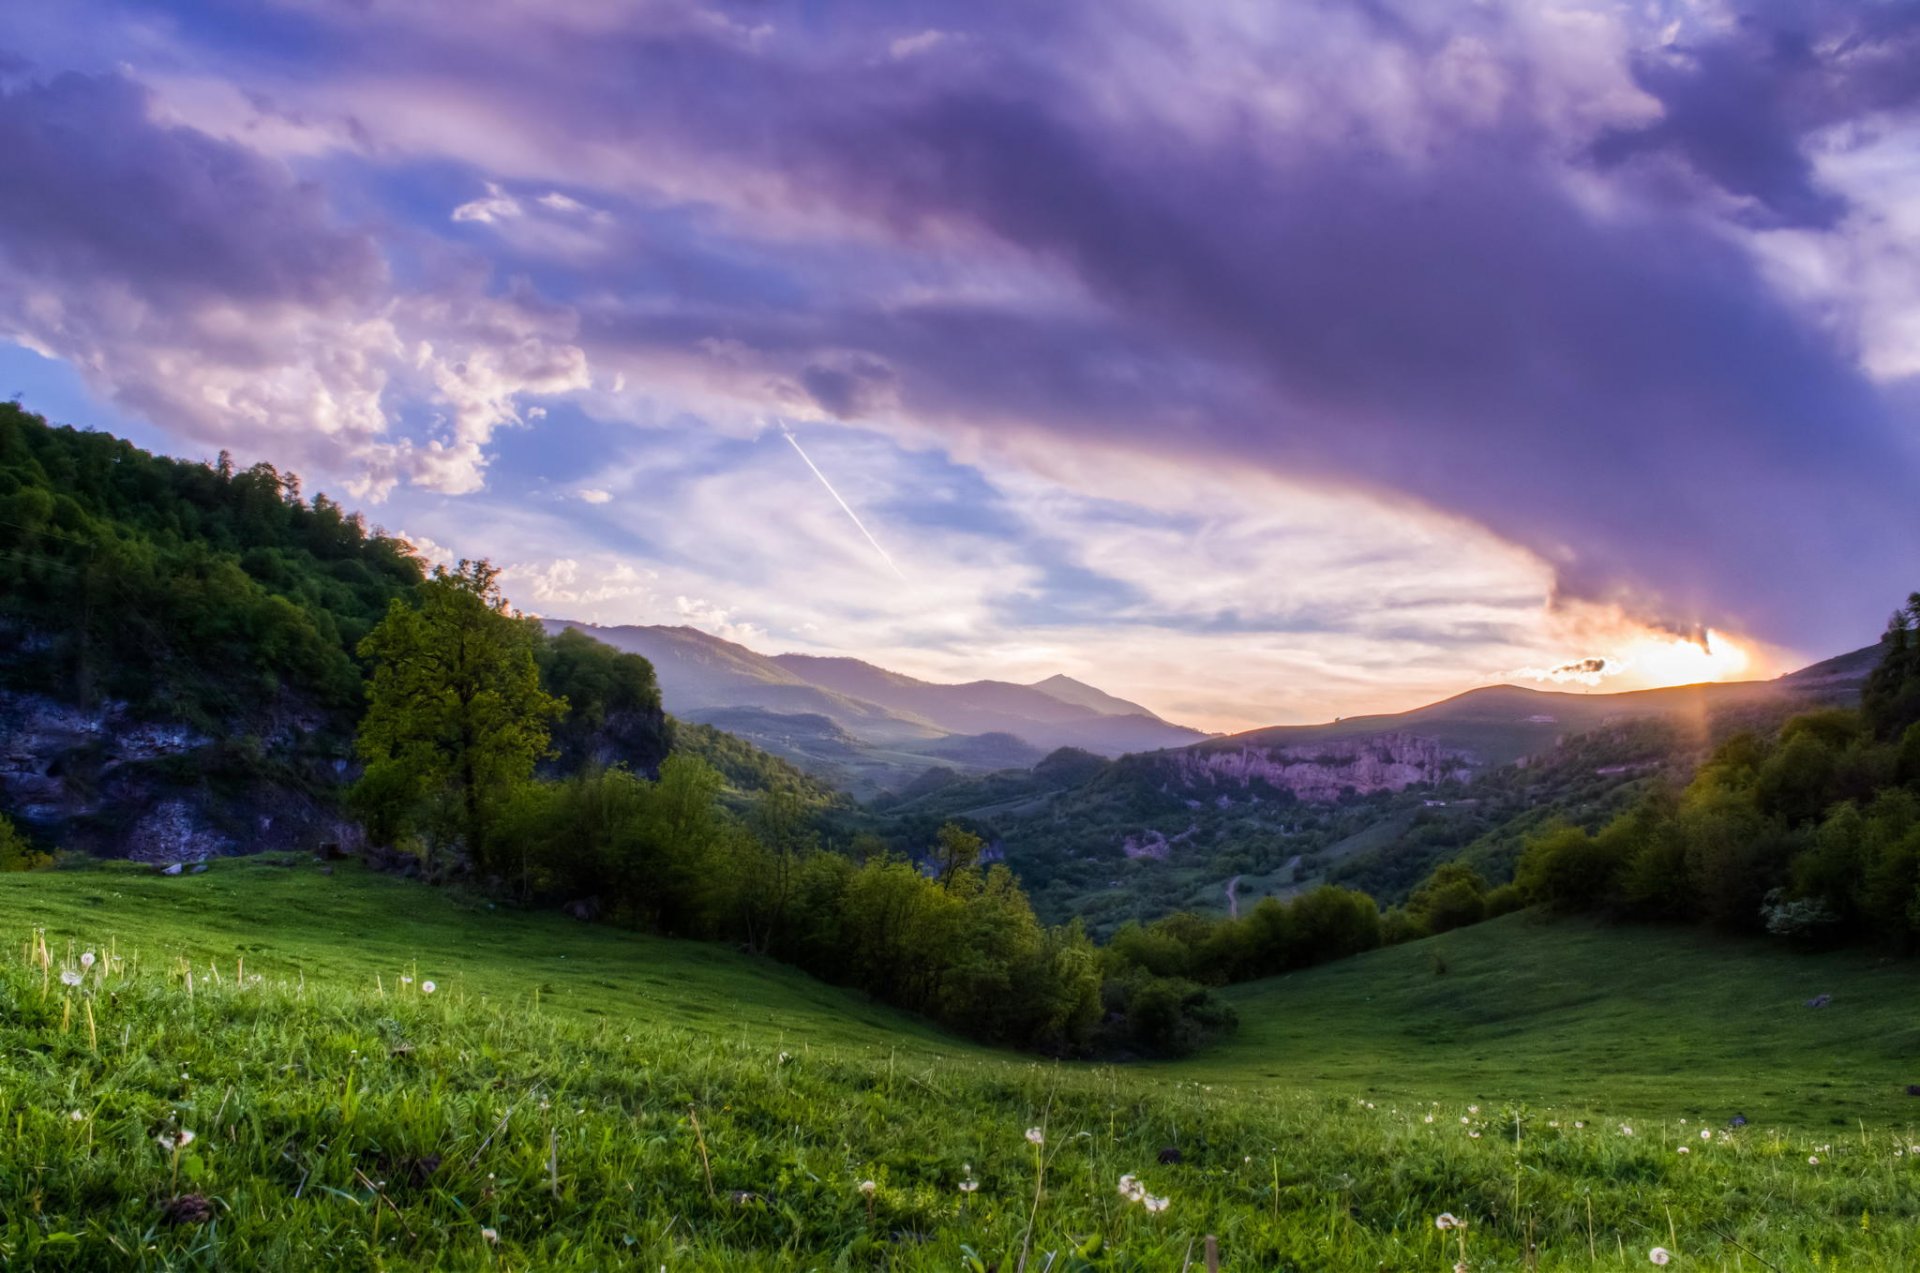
column 1670, row 1021
column 571, row 1096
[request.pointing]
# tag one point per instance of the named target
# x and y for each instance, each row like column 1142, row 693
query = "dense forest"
column 191, row 591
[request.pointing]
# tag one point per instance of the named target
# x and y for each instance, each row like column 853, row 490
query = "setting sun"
column 1658, row 659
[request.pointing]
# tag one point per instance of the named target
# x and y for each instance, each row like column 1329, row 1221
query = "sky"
column 1259, row 362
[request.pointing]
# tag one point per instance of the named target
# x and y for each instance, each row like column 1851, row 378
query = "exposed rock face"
column 1323, row 772
column 97, row 779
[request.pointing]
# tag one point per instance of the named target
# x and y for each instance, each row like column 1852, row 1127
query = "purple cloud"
column 1510, row 262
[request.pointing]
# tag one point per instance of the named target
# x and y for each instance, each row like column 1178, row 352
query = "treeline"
column 191, row 591
column 1813, row 834
column 464, row 703
column 1324, row 924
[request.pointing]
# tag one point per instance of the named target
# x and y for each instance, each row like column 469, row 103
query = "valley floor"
column 570, row 1096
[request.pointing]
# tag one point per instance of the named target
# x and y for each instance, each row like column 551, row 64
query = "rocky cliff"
column 1319, row 773
column 101, row 780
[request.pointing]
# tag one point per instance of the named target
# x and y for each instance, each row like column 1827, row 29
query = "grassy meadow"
column 569, row 1096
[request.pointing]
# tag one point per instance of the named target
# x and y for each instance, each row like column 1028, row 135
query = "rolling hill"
column 379, row 1075
column 871, row 730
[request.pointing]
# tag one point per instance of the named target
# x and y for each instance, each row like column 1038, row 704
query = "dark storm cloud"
column 1537, row 318
column 96, row 191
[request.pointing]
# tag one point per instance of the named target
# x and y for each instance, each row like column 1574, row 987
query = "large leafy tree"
column 455, row 715
column 1891, row 699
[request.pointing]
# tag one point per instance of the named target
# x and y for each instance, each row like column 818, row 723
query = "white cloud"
column 908, row 46
column 495, row 206
column 592, row 495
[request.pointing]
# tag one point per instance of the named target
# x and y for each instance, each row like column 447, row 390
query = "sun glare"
column 1656, row 660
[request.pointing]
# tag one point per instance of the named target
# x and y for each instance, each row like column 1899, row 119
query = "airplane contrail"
column 844, row 506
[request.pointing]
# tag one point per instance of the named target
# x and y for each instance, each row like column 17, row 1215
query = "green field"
column 597, row 1099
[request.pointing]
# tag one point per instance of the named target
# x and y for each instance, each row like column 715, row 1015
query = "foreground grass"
column 344, row 1118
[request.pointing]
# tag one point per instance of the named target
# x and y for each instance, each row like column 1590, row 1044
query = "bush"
column 16, row 854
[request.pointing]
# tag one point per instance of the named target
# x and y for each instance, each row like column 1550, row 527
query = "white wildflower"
column 1155, row 1205
column 968, row 1186
column 1685, row 1150
column 1813, row 1160
column 78, row 1117
column 1473, row 1109
column 1035, row 1136
column 492, row 1236
column 868, row 1188
column 1445, row 1220
column 1625, row 1130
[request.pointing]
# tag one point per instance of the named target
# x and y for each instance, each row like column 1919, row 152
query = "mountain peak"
column 1065, row 689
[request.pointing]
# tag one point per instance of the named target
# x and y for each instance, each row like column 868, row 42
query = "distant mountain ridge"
column 1501, row 724
column 871, row 729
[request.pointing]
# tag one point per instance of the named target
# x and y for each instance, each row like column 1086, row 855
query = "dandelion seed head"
column 1155, row 1205
column 1813, row 1160
column 968, row 1186
column 1659, row 1255
column 78, row 1117
column 87, row 959
column 868, row 1187
column 1706, row 1134
column 68, row 977
column 1685, row 1150
column 492, row 1236
column 1445, row 1220
column 1035, row 1136
column 426, row 987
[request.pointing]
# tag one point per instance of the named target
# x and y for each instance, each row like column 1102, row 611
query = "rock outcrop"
column 1320, row 773
column 99, row 779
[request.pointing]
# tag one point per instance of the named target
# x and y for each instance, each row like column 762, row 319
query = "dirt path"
column 1233, row 898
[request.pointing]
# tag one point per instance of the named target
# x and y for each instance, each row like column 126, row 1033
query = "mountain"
column 1066, row 715
column 868, row 729
column 1375, row 801
column 701, row 673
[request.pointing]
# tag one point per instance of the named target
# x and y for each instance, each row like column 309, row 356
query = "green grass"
column 548, row 1090
column 286, row 919
column 1656, row 1020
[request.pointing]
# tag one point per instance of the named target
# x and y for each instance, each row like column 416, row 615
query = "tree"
column 1891, row 697
column 955, row 849
column 1452, row 897
column 455, row 716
